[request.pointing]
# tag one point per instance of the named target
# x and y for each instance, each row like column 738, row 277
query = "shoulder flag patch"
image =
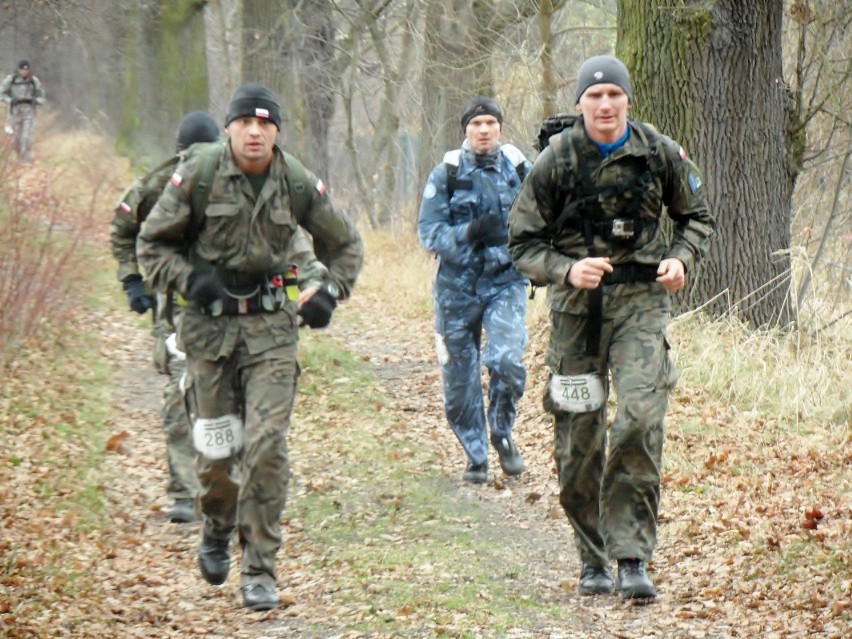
column 320, row 187
column 694, row 181
column 124, row 207
column 176, row 179
column 681, row 153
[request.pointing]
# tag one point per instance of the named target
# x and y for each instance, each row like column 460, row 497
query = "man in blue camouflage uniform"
column 240, row 328
column 22, row 92
column 586, row 223
column 463, row 221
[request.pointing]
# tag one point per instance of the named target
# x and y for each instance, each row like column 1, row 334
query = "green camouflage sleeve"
column 123, row 231
column 5, row 92
column 337, row 242
column 530, row 241
column 312, row 272
column 161, row 246
column 685, row 197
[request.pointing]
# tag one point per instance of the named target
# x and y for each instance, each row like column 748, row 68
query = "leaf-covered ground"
column 382, row 539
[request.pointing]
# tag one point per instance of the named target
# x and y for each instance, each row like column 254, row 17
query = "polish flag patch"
column 176, row 179
column 681, row 153
column 320, row 187
column 124, row 207
column 261, row 113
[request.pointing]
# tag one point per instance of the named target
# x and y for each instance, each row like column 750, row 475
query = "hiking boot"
column 633, row 583
column 214, row 559
column 181, row 512
column 259, row 597
column 595, row 580
column 510, row 459
column 476, row 473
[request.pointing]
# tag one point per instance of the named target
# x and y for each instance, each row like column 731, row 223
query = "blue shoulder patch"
column 694, row 181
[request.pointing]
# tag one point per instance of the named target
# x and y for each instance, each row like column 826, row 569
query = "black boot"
column 181, row 512
column 476, row 473
column 510, row 459
column 214, row 559
column 633, row 583
column 595, row 580
column 259, row 597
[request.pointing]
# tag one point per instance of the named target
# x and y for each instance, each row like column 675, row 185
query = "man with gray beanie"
column 231, row 261
column 586, row 224
column 463, row 218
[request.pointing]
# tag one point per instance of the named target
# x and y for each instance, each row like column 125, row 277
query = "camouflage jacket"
column 15, row 88
column 444, row 218
column 245, row 234
column 545, row 254
column 139, row 199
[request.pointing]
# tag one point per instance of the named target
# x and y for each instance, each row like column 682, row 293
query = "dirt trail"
column 706, row 590
column 517, row 518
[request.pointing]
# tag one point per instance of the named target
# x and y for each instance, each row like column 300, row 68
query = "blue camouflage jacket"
column 482, row 184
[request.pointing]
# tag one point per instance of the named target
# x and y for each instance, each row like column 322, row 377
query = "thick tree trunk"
column 223, row 21
column 709, row 75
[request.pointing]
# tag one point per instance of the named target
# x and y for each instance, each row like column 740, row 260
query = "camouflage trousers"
column 610, row 485
column 23, row 125
column 183, row 482
column 459, row 321
column 248, row 490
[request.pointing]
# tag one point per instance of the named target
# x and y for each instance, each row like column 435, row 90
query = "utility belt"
column 250, row 294
column 621, row 274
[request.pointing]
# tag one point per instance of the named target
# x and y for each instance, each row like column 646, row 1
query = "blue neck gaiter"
column 608, row 147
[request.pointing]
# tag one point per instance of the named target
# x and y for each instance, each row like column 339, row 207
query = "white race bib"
column 218, row 437
column 577, row 393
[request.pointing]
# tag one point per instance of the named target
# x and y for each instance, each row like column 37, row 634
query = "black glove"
column 316, row 312
column 204, row 288
column 138, row 299
column 488, row 230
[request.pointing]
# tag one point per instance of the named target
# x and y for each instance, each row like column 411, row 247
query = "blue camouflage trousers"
column 459, row 321
column 610, row 486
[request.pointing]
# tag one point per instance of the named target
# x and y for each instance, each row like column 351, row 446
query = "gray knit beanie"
column 603, row 69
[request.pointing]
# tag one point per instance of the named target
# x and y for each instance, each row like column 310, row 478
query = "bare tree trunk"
column 223, row 22
column 710, row 76
column 316, row 56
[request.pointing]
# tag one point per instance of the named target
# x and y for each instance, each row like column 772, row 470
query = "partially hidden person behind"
column 463, row 221
column 22, row 92
column 239, row 330
column 587, row 224
column 132, row 209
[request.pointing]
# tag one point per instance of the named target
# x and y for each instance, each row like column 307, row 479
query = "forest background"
column 756, row 91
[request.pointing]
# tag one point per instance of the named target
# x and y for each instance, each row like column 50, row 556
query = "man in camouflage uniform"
column 463, row 218
column 240, row 330
column 134, row 206
column 586, row 223
column 21, row 92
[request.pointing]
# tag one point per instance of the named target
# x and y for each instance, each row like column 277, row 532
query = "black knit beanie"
column 254, row 101
column 480, row 105
column 196, row 126
column 24, row 64
column 603, row 69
